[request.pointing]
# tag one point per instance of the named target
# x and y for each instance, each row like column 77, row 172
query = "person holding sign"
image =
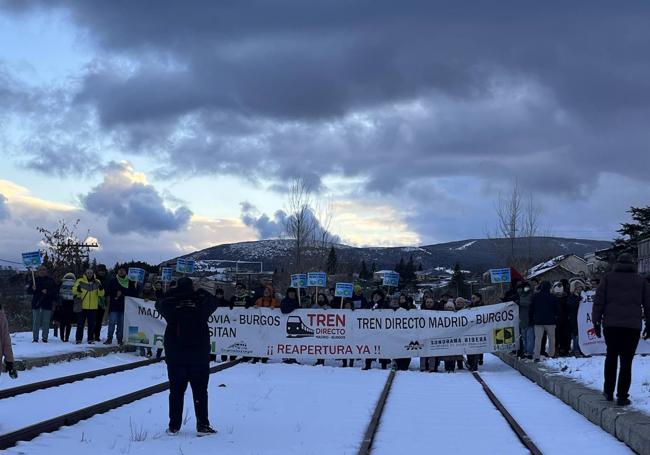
column 87, row 290
column 621, row 300
column 44, row 292
column 118, row 288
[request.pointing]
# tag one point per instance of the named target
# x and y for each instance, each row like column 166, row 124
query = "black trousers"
column 621, row 343
column 179, row 376
column 99, row 319
column 81, row 321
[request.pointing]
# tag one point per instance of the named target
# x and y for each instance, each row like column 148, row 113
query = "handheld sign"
column 166, row 274
column 317, row 279
column 136, row 274
column 299, row 280
column 343, row 290
column 32, row 259
column 391, row 279
column 500, row 276
column 185, row 266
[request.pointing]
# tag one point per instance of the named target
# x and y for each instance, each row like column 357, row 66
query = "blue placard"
column 32, row 259
column 299, row 280
column 343, row 290
column 136, row 274
column 166, row 274
column 185, row 266
column 391, row 279
column 500, row 275
column 317, row 279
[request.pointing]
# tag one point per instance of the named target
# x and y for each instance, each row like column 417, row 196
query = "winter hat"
column 575, row 284
column 184, row 283
column 449, row 306
column 460, row 303
column 101, row 268
column 625, row 258
column 69, row 276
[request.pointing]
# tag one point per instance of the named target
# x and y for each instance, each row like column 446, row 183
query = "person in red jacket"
column 621, row 301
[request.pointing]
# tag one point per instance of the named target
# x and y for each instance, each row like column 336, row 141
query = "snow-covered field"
column 257, row 409
column 589, row 371
column 57, row 370
column 552, row 425
column 24, row 348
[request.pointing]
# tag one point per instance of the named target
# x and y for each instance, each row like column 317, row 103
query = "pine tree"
column 631, row 233
column 364, row 274
column 408, row 272
column 420, row 267
column 399, row 268
column 373, row 268
column 458, row 281
column 332, row 262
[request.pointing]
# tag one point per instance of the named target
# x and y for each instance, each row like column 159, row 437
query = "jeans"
column 575, row 344
column 550, row 332
column 621, row 343
column 529, row 340
column 81, row 321
column 116, row 318
column 179, row 376
column 41, row 322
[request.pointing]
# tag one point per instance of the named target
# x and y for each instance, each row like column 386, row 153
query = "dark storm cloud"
column 555, row 94
column 4, row 208
column 131, row 205
column 266, row 227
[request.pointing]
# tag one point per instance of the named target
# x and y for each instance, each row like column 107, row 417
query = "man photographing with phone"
column 187, row 347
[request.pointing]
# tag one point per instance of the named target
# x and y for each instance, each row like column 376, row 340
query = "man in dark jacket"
column 223, row 303
column 43, row 296
column 187, row 346
column 290, row 301
column 543, row 315
column 621, row 300
column 118, row 288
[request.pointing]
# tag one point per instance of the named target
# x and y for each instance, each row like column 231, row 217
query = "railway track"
column 373, row 425
column 55, row 382
column 47, row 426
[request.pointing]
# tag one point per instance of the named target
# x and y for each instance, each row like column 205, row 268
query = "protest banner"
column 32, row 260
column 498, row 276
column 341, row 334
column 391, row 279
column 317, row 279
column 166, row 274
column 185, row 266
column 590, row 344
column 136, row 274
column 343, row 290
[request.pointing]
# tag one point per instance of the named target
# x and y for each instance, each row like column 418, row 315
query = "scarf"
column 124, row 282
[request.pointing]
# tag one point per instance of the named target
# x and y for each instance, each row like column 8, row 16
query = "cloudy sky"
column 172, row 126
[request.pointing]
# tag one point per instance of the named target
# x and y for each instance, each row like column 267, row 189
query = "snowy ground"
column 589, row 371
column 258, row 409
column 57, row 370
column 21, row 343
column 428, row 412
column 553, row 426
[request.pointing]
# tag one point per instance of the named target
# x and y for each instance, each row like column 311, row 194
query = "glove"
column 9, row 366
column 646, row 330
column 598, row 330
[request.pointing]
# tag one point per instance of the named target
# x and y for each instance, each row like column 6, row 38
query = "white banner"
column 341, row 334
column 589, row 343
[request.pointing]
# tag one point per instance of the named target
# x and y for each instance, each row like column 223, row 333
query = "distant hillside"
column 475, row 255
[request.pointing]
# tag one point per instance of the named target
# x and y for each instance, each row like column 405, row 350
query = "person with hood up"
column 267, row 300
column 88, row 289
column 66, row 299
column 377, row 302
column 290, row 301
column 44, row 293
column 573, row 304
column 621, row 302
column 117, row 290
column 6, row 352
column 543, row 316
column 187, row 346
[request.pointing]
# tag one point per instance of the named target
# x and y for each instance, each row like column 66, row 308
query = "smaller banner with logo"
column 136, row 274
column 590, row 344
column 32, row 259
column 391, row 279
column 500, row 275
column 317, row 279
column 185, row 266
column 299, row 280
column 166, row 274
column 341, row 334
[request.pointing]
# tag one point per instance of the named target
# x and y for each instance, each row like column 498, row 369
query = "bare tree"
column 510, row 215
column 322, row 235
column 300, row 221
column 65, row 251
